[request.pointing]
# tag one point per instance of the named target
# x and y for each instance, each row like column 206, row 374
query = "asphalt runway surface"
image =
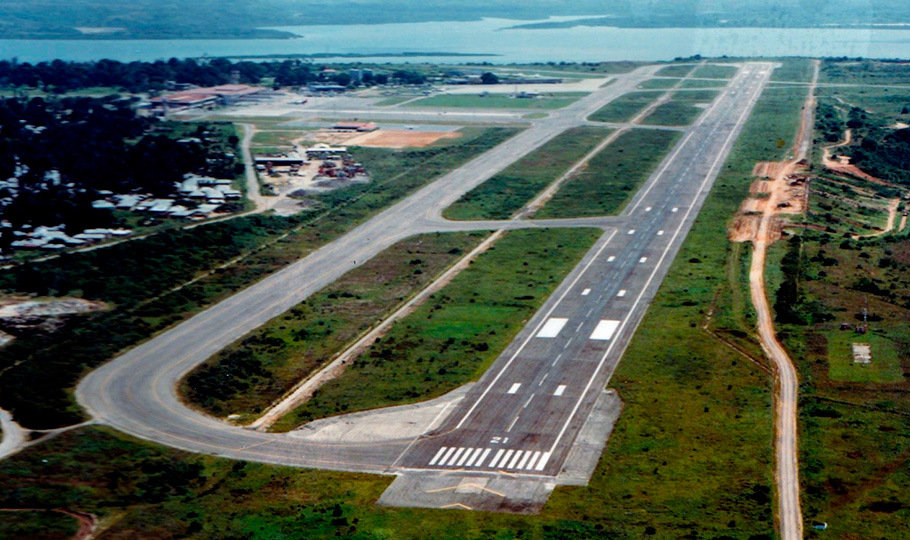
column 554, row 378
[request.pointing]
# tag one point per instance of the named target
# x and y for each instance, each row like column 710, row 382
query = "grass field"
column 710, row 71
column 395, row 100
column 159, row 281
column 612, row 176
column 885, row 366
column 456, row 335
column 259, row 368
column 498, row 101
column 507, row 192
column 683, row 108
column 792, row 70
column 680, row 70
column 658, row 84
column 625, row 107
column 696, row 83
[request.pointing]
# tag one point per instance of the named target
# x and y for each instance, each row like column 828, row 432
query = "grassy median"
column 682, row 109
column 456, row 335
column 261, row 367
column 507, row 192
column 612, row 177
column 625, row 107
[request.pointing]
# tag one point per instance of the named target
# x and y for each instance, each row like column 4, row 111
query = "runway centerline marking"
column 512, row 424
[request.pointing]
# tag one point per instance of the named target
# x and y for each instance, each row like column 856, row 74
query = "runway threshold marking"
column 543, row 461
column 552, row 328
column 605, row 330
column 438, row 455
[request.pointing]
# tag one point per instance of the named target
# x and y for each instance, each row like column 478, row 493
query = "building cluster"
column 335, row 163
column 55, row 238
column 197, row 197
column 207, row 98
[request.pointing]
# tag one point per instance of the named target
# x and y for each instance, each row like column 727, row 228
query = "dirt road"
column 786, row 429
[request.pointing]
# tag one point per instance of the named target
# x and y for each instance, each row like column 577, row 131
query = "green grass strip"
column 612, row 176
column 625, row 107
column 504, row 194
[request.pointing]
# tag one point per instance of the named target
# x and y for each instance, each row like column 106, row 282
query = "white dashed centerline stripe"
column 495, row 458
column 552, row 328
column 482, row 457
column 437, row 456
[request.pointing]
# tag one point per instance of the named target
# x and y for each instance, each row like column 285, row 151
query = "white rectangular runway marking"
column 524, row 460
column 514, row 460
column 559, row 390
column 465, row 457
column 621, row 293
column 496, row 458
column 648, row 209
column 552, row 328
column 586, row 292
column 446, row 457
column 660, row 233
column 611, row 258
column 631, row 231
column 543, row 461
column 482, row 457
column 474, row 457
column 505, row 459
column 457, row 453
column 675, row 209
column 642, row 260
column 605, row 330
column 438, row 455
column 533, row 460
column 514, row 388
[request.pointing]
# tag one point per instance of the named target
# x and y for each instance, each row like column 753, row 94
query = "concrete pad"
column 467, row 491
column 390, row 424
column 591, row 441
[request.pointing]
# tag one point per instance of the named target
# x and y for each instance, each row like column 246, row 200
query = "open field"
column 711, row 71
column 675, row 70
column 495, row 101
column 454, row 337
column 625, row 107
column 37, row 525
column 793, row 70
column 884, row 368
column 612, row 176
column 682, row 109
column 697, row 83
column 158, row 281
column 865, row 72
column 259, row 368
column 658, row 84
column 396, row 138
column 507, row 192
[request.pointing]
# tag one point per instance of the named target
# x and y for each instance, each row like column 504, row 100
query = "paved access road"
column 524, row 414
column 137, row 392
column 556, row 366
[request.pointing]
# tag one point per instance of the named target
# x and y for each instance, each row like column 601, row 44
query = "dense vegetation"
column 64, row 152
column 59, row 76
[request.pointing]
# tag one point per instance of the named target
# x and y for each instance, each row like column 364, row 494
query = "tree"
column 489, row 78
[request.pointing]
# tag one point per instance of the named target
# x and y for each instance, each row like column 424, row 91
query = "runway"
column 524, row 414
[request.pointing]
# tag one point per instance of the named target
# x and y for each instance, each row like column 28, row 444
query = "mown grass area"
column 865, row 72
column 507, row 192
column 697, row 83
column 459, row 332
column 712, row 71
column 792, row 70
column 261, row 367
column 683, row 109
column 395, row 100
column 658, row 84
column 884, row 368
column 625, row 107
column 671, row 469
column 612, row 177
column 155, row 282
column 37, row 525
column 675, row 70
column 841, row 209
column 499, row 101
column 274, row 138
